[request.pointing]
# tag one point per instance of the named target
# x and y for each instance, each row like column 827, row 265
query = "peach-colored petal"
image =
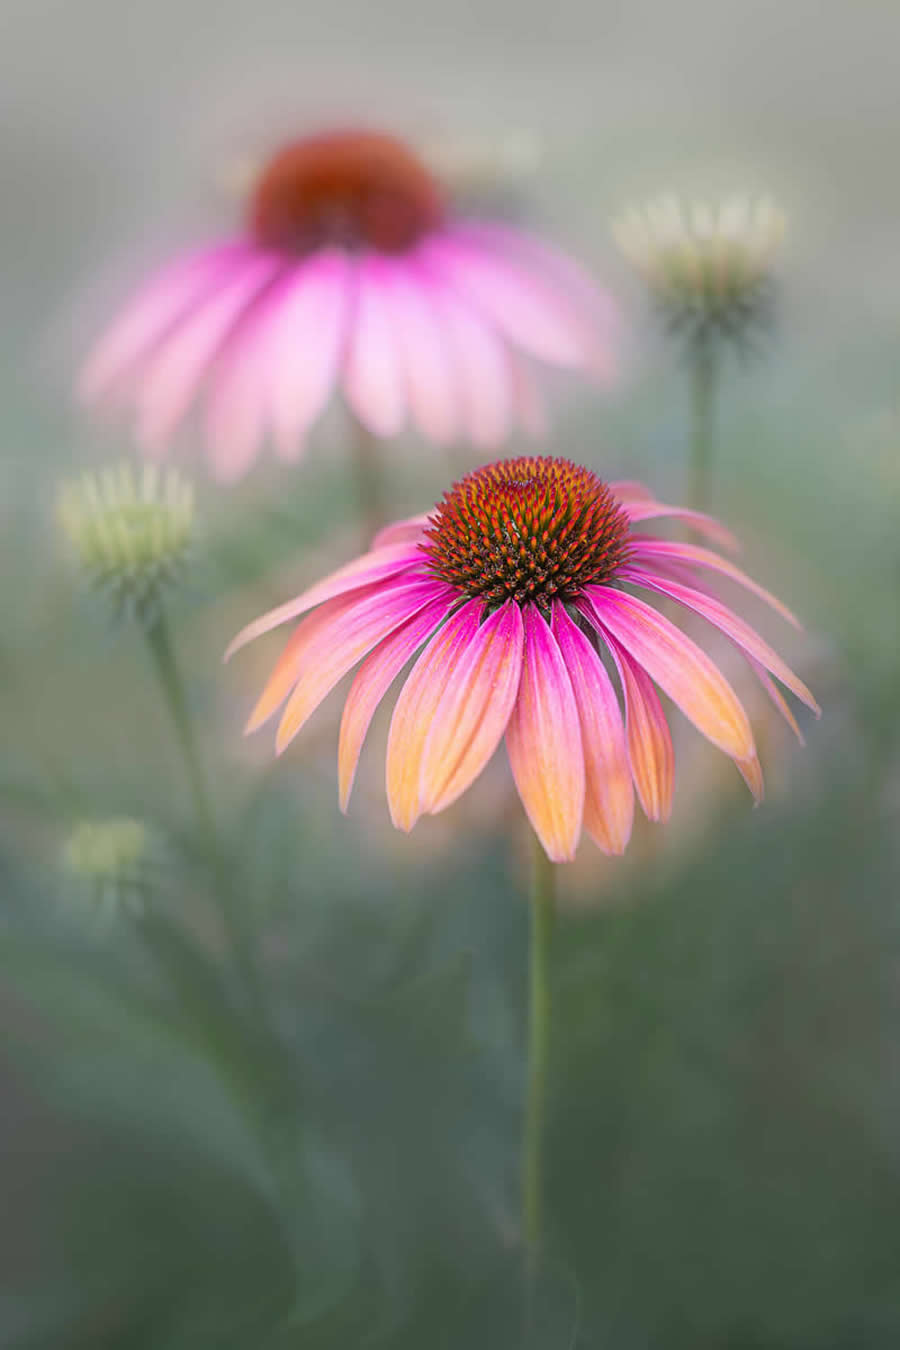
column 543, row 739
column 417, row 706
column 678, row 666
column 471, row 719
column 650, row 747
column 378, row 565
column 728, row 623
column 402, row 531
column 609, row 795
column 647, row 550
column 777, row 698
column 337, row 647
column 372, row 681
column 752, row 774
column 638, row 510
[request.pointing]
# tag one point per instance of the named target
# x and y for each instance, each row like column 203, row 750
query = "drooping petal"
column 777, row 698
column 372, row 681
column 378, row 565
column 373, row 378
column 728, row 623
column 290, row 663
column 544, row 742
column 338, row 646
column 176, row 371
column 417, row 706
column 402, row 531
column 471, row 719
column 527, row 401
column 164, row 299
column 424, row 358
column 703, row 524
column 647, row 550
column 609, row 795
column 591, row 310
column 678, row 666
column 752, row 774
column 650, row 749
column 307, row 340
column 522, row 306
column 481, row 365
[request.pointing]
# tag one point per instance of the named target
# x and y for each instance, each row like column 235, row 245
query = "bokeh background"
column 723, row 1155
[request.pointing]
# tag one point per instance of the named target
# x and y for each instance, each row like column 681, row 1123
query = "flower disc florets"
column 131, row 532
column 709, row 271
column 352, row 189
column 527, row 529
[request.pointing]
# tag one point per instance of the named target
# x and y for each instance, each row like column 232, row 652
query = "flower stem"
column 366, row 471
column 542, row 896
column 159, row 643
column 703, row 388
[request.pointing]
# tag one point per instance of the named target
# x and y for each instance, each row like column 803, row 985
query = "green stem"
column 366, row 471
column 542, row 894
column 159, row 643
column 703, row 387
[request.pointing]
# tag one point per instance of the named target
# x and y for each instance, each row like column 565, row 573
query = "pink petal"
column 176, row 371
column 517, row 300
column 727, row 622
column 543, row 739
column 703, row 524
column 529, row 405
column 338, row 646
column 481, row 365
column 374, row 678
column 471, row 719
column 629, row 490
column 420, row 698
column 373, row 378
column 424, row 357
column 168, row 295
column 378, row 565
column 309, row 330
column 291, row 661
column 609, row 796
column 591, row 310
column 649, row 739
column 678, row 666
column 752, row 774
column 402, row 531
column 647, row 549
column 777, row 698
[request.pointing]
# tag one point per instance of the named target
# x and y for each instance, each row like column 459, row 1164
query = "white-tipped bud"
column 131, row 532
column 708, row 269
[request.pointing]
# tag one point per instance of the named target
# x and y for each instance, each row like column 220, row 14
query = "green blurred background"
column 723, row 1154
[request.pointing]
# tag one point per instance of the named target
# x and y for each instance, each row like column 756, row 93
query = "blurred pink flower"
column 514, row 585
column 351, row 272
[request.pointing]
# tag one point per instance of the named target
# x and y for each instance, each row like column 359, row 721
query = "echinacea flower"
column 515, row 585
column 708, row 270
column 131, row 532
column 351, row 272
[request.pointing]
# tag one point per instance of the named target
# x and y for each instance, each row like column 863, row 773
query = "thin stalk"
column 367, row 472
column 165, row 666
column 703, row 391
column 542, row 902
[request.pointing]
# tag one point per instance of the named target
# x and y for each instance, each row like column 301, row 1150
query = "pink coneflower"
column 516, row 586
column 351, row 272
